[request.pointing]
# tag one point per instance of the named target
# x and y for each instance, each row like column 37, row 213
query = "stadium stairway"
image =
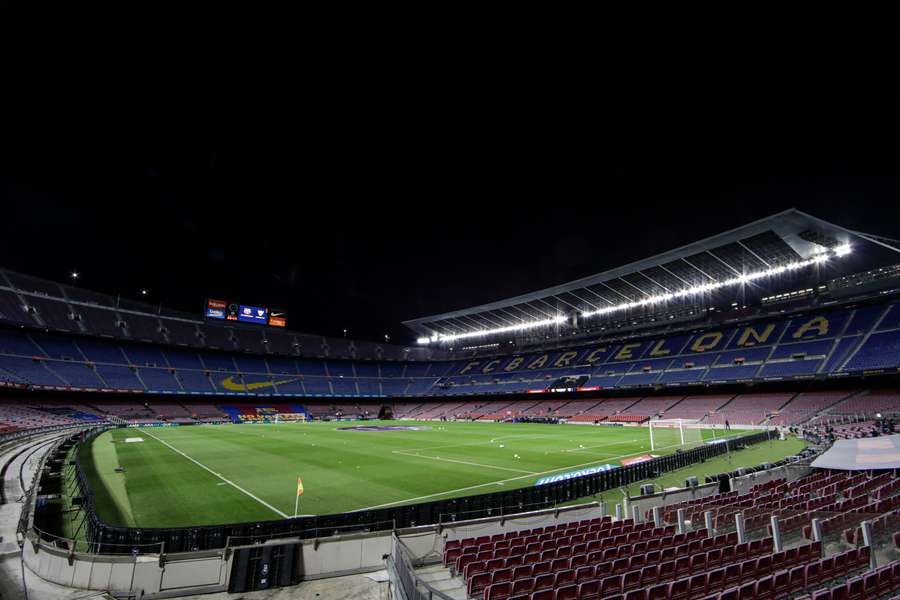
column 439, row 577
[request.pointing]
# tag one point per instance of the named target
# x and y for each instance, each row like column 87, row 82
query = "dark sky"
column 359, row 185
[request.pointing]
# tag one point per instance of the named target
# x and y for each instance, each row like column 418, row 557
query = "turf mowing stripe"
column 481, row 485
column 207, row 469
column 463, row 462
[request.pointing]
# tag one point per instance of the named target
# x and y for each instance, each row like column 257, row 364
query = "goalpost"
column 672, row 433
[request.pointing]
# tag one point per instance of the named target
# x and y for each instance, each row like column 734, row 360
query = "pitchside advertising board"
column 245, row 313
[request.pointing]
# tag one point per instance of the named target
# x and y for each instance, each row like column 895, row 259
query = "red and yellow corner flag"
column 299, row 486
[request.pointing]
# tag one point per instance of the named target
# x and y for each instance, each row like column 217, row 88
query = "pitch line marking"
column 463, row 462
column 496, row 439
column 207, row 469
column 481, row 485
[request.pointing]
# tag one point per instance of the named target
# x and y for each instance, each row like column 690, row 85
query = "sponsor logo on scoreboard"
column 245, row 313
column 574, row 474
column 215, row 309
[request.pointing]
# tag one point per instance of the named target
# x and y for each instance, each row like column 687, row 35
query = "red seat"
column 583, row 574
column 781, row 584
column 473, row 568
column 566, row 577
column 715, row 580
column 855, row 589
column 840, row 564
column 478, row 582
column 698, row 563
column 679, row 589
column 631, row 580
column 763, row 565
column 747, row 591
column 791, row 556
column 886, row 579
column 611, row 585
column 558, row 564
column 521, row 572
column 813, row 574
column 579, row 560
column 797, row 580
column 545, row 581
column 636, row 595
column 682, row 566
column 697, row 587
column 620, row 565
column 748, row 570
column 764, row 588
column 839, row 593
column 542, row 595
column 589, row 590
column 730, row 594
column 649, row 575
column 523, row 586
column 732, row 575
column 658, row 592
column 667, row 570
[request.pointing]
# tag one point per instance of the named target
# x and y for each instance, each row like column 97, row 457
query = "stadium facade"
column 787, row 298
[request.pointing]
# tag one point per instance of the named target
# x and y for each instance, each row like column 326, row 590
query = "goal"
column 675, row 433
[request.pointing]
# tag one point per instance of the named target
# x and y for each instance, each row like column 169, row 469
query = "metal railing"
column 404, row 577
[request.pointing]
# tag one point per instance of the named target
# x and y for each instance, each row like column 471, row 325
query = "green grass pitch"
column 203, row 475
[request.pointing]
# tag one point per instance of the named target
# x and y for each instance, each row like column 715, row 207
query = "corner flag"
column 297, row 497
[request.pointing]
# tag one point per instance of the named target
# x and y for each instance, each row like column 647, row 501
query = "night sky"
column 358, row 185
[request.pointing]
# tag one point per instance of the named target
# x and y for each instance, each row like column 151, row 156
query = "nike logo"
column 230, row 384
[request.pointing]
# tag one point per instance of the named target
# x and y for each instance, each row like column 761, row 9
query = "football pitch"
column 204, row 475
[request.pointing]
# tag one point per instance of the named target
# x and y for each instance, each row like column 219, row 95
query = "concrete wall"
column 198, row 572
column 648, row 502
column 788, row 472
column 179, row 575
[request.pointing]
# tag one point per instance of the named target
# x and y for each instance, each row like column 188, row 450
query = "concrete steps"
column 440, row 579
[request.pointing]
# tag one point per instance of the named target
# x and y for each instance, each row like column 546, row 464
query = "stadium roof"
column 788, row 240
column 862, row 454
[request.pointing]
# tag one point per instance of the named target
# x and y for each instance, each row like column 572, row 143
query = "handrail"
column 403, row 575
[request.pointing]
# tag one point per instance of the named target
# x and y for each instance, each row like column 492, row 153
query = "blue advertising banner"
column 253, row 314
column 574, row 474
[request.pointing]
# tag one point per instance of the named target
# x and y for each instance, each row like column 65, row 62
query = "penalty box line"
column 462, row 462
column 481, row 485
column 210, row 471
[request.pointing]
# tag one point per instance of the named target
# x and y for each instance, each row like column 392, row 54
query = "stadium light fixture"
column 442, row 337
column 74, row 274
column 816, row 259
column 143, row 292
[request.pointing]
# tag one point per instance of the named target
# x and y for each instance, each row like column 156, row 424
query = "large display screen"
column 245, row 313
column 277, row 318
column 215, row 309
column 253, row 314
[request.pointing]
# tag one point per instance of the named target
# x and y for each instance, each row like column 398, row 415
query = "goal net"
column 675, row 433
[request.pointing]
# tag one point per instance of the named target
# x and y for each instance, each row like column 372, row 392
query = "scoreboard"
column 222, row 310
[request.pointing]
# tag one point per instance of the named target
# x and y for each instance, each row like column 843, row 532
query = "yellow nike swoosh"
column 230, row 384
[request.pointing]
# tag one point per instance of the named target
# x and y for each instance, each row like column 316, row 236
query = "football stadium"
column 716, row 421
